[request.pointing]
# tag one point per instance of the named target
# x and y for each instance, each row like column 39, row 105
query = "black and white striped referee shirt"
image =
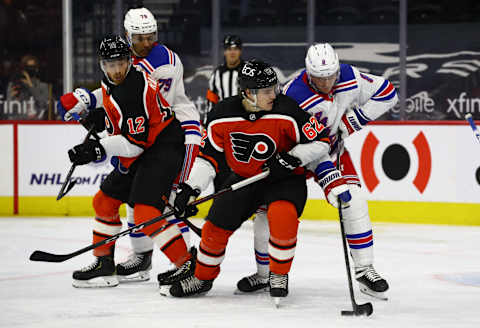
column 222, row 84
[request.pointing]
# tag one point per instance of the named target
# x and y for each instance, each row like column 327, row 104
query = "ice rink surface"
column 433, row 271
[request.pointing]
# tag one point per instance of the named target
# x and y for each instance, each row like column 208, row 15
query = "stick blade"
column 360, row 309
column 40, row 256
column 364, row 309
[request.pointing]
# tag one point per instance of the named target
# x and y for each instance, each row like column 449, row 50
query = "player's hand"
column 352, row 121
column 89, row 151
column 333, row 184
column 282, row 165
column 185, row 195
column 74, row 105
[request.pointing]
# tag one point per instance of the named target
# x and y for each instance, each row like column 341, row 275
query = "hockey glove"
column 89, row 151
column 353, row 120
column 333, row 184
column 185, row 195
column 76, row 104
column 282, row 165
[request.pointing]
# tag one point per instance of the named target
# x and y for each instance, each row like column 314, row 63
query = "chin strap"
column 251, row 106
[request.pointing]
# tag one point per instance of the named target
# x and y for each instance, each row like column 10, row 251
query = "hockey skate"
column 278, row 287
column 187, row 269
column 136, row 268
column 371, row 283
column 188, row 286
column 101, row 273
column 252, row 284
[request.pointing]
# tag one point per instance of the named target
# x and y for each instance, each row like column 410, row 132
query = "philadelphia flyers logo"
column 257, row 146
column 396, row 162
column 108, row 125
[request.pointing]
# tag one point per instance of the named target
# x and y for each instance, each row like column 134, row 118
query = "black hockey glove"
column 95, row 118
column 90, row 151
column 282, row 165
column 185, row 195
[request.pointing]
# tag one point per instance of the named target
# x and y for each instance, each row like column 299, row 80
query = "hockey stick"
column 358, row 309
column 49, row 257
column 197, row 230
column 474, row 127
column 67, row 184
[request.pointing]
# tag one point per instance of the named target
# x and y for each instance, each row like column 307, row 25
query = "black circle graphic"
column 395, row 162
column 477, row 175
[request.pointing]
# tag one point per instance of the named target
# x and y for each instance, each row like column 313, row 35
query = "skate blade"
column 255, row 292
column 98, row 282
column 135, row 277
column 164, row 290
column 276, row 301
column 374, row 294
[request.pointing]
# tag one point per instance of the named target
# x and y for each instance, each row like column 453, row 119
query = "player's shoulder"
column 286, row 105
column 348, row 79
column 160, row 55
column 228, row 107
column 298, row 88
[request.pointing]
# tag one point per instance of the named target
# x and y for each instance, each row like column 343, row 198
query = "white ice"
column 433, row 271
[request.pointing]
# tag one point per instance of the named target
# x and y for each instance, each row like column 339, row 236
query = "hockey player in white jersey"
column 344, row 100
column 166, row 67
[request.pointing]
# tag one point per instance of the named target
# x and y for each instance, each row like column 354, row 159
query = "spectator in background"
column 27, row 95
column 223, row 82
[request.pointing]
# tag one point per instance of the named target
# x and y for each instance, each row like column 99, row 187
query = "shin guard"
column 165, row 235
column 139, row 241
column 107, row 222
column 261, row 234
column 358, row 228
column 184, row 229
column 283, row 223
column 211, row 251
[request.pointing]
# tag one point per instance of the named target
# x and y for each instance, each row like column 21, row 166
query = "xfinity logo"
column 461, row 105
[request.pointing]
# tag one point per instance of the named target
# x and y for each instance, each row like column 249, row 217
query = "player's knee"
column 358, row 209
column 143, row 213
column 213, row 237
column 105, row 206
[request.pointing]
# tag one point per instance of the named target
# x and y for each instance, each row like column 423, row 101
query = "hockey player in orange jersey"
column 144, row 134
column 257, row 129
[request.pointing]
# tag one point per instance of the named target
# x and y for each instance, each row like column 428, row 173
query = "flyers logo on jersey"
column 108, row 125
column 258, row 146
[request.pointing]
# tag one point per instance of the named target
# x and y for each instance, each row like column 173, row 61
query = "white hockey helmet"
column 139, row 21
column 321, row 60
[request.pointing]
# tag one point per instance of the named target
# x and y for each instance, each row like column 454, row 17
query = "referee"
column 223, row 82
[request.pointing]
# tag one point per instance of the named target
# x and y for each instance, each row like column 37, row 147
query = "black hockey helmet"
column 113, row 47
column 256, row 74
column 232, row 41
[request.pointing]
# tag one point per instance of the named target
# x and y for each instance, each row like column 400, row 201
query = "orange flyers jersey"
column 136, row 110
column 245, row 140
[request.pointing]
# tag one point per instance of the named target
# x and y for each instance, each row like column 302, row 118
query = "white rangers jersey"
column 373, row 94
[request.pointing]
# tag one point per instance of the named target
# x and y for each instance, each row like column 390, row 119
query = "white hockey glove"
column 352, row 121
column 333, row 184
column 76, row 104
